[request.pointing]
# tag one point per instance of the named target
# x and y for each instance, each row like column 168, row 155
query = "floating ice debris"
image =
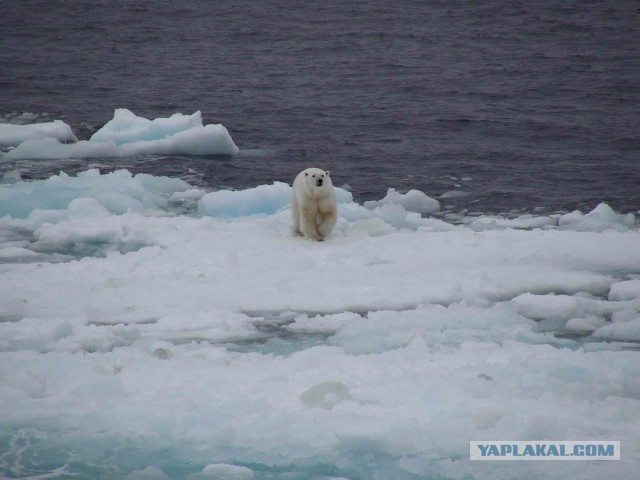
column 601, row 218
column 454, row 194
column 11, row 176
column 127, row 135
column 16, row 134
column 126, row 127
column 412, row 201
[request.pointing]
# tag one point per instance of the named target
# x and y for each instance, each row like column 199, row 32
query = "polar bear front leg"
column 328, row 222
column 295, row 218
column 308, row 222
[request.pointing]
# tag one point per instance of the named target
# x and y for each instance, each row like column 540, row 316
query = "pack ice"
column 152, row 330
column 126, row 134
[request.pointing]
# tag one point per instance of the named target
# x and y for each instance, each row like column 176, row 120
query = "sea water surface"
column 520, row 105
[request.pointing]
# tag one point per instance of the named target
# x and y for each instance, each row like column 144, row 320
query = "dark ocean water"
column 520, row 104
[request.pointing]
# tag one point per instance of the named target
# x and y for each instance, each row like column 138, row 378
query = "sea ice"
column 138, row 342
column 149, row 473
column 541, row 307
column 454, row 194
column 627, row 290
column 326, row 395
column 11, row 176
column 117, row 192
column 264, row 199
column 128, row 135
column 412, row 201
column 623, row 316
column 261, row 200
column 585, row 324
column 223, row 471
column 193, row 194
column 16, row 134
column 127, row 127
column 625, row 331
column 601, row 218
column 16, row 252
column 498, row 222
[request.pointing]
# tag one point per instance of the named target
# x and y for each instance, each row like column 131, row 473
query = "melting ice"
column 149, row 329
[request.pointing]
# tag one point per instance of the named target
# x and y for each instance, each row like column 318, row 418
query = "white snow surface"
column 219, row 342
column 126, row 134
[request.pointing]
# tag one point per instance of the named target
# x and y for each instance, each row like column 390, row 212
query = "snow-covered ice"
column 138, row 341
column 126, row 134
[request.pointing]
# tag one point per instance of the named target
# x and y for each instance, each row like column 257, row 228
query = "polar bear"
column 314, row 210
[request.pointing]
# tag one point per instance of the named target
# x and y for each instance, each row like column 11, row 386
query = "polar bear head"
column 317, row 180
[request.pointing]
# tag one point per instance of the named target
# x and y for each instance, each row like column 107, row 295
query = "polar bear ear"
column 328, row 173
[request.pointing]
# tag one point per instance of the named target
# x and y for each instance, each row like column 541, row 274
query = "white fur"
column 314, row 210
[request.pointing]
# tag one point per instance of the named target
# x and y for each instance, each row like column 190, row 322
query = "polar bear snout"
column 316, row 179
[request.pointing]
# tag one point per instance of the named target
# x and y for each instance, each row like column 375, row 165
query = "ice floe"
column 11, row 134
column 261, row 200
column 215, row 345
column 126, row 134
column 412, row 201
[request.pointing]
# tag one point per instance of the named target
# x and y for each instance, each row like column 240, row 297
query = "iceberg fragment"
column 601, row 218
column 127, row 127
column 128, row 134
column 16, row 134
column 412, row 201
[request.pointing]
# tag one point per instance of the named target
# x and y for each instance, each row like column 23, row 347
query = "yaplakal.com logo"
column 544, row 450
